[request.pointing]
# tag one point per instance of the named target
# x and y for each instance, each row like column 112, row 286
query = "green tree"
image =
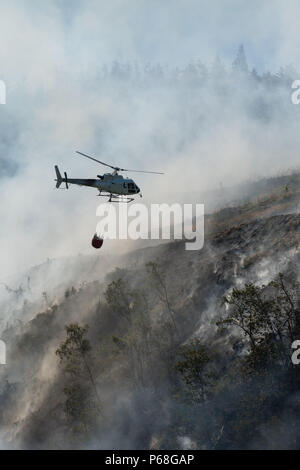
column 82, row 404
column 192, row 367
column 267, row 315
column 132, row 306
column 247, row 310
column 240, row 62
column 158, row 280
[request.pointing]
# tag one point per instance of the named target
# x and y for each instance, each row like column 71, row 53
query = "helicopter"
column 114, row 186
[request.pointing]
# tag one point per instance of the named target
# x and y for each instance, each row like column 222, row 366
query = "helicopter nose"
column 137, row 189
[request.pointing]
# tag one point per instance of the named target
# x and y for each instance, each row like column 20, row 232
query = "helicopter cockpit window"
column 131, row 188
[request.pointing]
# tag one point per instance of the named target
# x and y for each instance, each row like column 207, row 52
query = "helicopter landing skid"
column 117, row 198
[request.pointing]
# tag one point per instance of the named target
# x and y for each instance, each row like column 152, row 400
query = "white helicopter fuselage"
column 108, row 183
column 118, row 188
column 117, row 184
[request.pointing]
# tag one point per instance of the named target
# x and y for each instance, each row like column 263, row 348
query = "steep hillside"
column 160, row 372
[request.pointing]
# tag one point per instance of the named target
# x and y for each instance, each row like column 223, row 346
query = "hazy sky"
column 50, row 55
column 36, row 37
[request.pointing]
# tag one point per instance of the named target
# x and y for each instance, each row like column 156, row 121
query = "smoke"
column 59, row 99
column 138, row 85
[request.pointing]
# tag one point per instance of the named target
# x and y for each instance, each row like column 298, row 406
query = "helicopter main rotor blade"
column 98, row 161
column 142, row 171
column 116, row 167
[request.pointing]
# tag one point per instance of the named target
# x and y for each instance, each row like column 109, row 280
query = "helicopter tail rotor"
column 59, row 178
column 66, row 180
